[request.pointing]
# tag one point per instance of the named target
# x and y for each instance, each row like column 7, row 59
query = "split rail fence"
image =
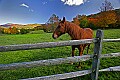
column 95, row 58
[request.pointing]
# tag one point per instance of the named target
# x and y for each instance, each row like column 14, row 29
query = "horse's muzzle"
column 55, row 36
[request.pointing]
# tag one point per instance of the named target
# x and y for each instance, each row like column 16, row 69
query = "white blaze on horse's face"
column 59, row 30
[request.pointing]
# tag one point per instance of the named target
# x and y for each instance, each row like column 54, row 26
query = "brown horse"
column 75, row 32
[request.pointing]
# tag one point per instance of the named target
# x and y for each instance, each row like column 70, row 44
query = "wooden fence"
column 95, row 58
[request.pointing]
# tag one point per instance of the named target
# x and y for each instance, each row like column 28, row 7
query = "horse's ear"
column 59, row 20
column 64, row 19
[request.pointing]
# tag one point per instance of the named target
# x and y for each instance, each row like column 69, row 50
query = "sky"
column 39, row 11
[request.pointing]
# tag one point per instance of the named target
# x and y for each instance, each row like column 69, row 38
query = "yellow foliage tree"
column 107, row 18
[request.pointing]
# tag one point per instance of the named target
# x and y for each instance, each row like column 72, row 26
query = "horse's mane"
column 76, row 32
column 73, row 30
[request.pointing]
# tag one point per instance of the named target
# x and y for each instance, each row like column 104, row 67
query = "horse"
column 75, row 32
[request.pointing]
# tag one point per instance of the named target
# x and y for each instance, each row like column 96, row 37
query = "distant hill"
column 6, row 25
column 117, row 11
column 20, row 26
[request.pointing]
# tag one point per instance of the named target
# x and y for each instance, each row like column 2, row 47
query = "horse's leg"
column 73, row 50
column 81, row 49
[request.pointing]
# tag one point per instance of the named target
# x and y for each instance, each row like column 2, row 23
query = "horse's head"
column 60, row 29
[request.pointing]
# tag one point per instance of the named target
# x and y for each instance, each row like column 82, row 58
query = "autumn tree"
column 11, row 30
column 1, row 30
column 14, row 30
column 107, row 18
column 93, row 23
column 106, row 6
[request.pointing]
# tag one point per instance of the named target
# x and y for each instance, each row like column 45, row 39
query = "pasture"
column 50, row 53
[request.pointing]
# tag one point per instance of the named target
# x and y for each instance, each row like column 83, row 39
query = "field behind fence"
column 95, row 57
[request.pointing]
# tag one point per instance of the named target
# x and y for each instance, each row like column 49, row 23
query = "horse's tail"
column 88, row 48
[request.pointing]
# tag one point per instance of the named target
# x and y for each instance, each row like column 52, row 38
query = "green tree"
column 51, row 23
column 84, row 22
column 24, row 31
column 118, row 18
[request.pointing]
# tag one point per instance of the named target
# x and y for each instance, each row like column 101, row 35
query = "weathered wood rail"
column 53, row 61
column 95, row 57
column 72, row 74
column 44, row 45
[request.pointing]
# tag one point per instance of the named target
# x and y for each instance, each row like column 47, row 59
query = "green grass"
column 51, row 53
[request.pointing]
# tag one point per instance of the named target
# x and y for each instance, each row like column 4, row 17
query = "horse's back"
column 88, row 33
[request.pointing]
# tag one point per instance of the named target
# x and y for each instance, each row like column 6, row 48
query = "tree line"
column 20, row 29
column 106, row 18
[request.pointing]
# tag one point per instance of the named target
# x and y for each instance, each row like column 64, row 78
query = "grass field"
column 51, row 53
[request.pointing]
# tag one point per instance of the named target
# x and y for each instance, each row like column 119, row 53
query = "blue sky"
column 39, row 11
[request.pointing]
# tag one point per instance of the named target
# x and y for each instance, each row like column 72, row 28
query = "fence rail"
column 95, row 64
column 45, row 45
column 62, row 76
column 45, row 62
column 111, row 40
column 72, row 74
column 51, row 44
column 116, row 68
column 53, row 61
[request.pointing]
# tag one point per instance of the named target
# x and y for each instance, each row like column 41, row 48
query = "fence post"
column 96, row 56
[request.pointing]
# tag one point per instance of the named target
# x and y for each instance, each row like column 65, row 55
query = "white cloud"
column 74, row 2
column 24, row 5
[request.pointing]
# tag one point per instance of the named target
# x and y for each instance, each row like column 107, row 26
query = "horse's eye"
column 58, row 26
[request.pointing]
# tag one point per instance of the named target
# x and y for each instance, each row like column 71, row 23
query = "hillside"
column 20, row 26
column 117, row 11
